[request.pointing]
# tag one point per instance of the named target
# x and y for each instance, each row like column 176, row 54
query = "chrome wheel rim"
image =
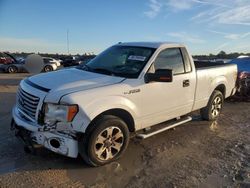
column 109, row 143
column 11, row 69
column 216, row 106
column 47, row 69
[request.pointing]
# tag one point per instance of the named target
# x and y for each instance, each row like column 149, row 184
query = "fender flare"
column 112, row 102
column 221, row 80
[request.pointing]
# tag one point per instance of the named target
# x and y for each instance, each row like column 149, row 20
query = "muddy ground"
column 197, row 154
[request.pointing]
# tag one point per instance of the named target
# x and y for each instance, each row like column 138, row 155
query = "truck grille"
column 27, row 103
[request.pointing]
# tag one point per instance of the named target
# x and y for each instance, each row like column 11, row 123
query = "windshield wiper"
column 100, row 70
column 104, row 71
column 96, row 70
column 84, row 67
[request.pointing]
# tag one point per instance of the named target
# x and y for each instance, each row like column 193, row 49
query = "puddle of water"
column 214, row 126
column 113, row 173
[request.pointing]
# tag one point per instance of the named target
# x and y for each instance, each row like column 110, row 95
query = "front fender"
column 54, row 66
column 90, row 109
column 112, row 102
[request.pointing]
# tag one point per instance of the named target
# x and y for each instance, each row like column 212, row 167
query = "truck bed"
column 209, row 75
column 205, row 64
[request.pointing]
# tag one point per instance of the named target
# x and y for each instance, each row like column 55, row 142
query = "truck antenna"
column 68, row 40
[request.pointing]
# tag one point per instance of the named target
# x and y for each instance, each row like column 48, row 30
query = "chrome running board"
column 167, row 127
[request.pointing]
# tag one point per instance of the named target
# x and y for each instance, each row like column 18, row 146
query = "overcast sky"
column 205, row 26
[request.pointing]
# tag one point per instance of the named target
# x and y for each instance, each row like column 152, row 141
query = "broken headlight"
column 59, row 113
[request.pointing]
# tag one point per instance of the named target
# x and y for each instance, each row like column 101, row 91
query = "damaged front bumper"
column 31, row 132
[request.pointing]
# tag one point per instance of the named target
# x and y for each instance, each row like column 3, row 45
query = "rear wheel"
column 48, row 68
column 106, row 142
column 12, row 69
column 213, row 109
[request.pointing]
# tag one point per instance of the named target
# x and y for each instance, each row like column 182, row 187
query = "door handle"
column 186, row 83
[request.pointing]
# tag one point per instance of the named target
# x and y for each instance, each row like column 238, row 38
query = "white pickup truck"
column 92, row 110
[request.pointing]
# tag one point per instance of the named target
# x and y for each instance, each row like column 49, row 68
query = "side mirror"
column 160, row 75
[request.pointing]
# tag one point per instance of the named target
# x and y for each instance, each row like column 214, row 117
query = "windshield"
column 123, row 61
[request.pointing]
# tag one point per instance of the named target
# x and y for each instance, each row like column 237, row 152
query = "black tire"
column 90, row 146
column 48, row 68
column 213, row 109
column 12, row 69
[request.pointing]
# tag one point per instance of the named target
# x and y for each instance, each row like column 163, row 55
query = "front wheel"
column 213, row 109
column 12, row 69
column 106, row 142
column 48, row 68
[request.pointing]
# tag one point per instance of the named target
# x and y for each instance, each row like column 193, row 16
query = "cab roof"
column 151, row 44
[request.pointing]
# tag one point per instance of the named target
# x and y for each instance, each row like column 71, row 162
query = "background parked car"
column 53, row 60
column 50, row 64
column 13, row 65
column 18, row 65
column 71, row 61
column 243, row 64
column 5, row 58
column 243, row 81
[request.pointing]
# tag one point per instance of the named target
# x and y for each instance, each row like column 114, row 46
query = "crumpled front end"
column 32, row 133
column 26, row 123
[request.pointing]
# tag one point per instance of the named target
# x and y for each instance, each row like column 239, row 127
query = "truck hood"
column 63, row 82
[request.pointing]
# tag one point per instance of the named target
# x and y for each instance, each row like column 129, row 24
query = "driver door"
column 162, row 101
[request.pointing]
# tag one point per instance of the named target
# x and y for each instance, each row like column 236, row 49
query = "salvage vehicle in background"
column 50, row 64
column 91, row 110
column 77, row 60
column 53, row 60
column 243, row 81
column 5, row 58
column 71, row 61
column 14, row 65
column 18, row 65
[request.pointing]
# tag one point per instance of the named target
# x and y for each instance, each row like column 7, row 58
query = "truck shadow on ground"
column 137, row 157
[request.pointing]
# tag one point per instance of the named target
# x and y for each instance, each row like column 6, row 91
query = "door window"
column 170, row 59
column 187, row 63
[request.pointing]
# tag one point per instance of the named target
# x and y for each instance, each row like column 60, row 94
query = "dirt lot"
column 197, row 154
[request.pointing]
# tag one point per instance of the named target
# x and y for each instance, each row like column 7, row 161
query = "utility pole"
column 68, row 40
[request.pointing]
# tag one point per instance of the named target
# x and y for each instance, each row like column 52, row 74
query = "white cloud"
column 215, row 11
column 180, row 4
column 155, row 8
column 185, row 37
column 234, row 12
column 231, row 36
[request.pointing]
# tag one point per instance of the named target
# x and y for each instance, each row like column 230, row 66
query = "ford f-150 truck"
column 93, row 109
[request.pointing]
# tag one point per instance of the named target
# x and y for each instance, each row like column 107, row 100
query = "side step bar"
column 169, row 126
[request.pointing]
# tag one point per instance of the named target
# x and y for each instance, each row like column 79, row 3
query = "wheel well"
column 48, row 66
column 12, row 66
column 222, row 89
column 123, row 114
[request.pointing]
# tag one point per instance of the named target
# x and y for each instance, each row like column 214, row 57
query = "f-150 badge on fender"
column 132, row 91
